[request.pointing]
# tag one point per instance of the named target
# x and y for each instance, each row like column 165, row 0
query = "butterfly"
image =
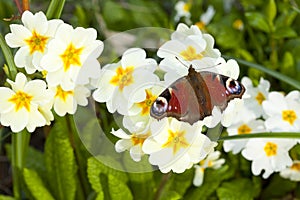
column 193, row 97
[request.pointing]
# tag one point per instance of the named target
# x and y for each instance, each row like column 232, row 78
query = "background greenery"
column 58, row 166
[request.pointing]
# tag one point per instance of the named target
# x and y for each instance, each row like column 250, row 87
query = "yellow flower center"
column 36, row 42
column 176, row 140
column 146, row 105
column 238, row 24
column 44, row 73
column 244, row 129
column 260, row 98
column 190, row 54
column 21, row 99
column 71, row 56
column 270, row 149
column 60, row 93
column 186, row 7
column 123, row 77
column 139, row 139
column 296, row 166
column 289, row 116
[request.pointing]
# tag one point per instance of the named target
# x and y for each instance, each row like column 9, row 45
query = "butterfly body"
column 192, row 97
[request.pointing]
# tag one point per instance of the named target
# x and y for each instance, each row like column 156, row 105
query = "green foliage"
column 236, row 189
column 36, row 185
column 3, row 197
column 268, row 44
column 60, row 162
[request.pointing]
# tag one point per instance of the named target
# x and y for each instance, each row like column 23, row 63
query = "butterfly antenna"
column 183, row 62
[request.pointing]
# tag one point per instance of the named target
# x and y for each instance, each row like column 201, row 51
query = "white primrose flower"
column 244, row 126
column 292, row 172
column 26, row 105
column 182, row 10
column 283, row 112
column 187, row 46
column 206, row 17
column 122, row 84
column 270, row 155
column 65, row 101
column 133, row 143
column 211, row 161
column 71, row 52
column 138, row 117
column 32, row 38
column 255, row 96
column 176, row 145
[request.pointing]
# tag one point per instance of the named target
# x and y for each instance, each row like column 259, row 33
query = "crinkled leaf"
column 258, row 21
column 35, row 185
column 93, row 173
column 137, row 181
column 60, row 162
column 118, row 189
column 236, row 189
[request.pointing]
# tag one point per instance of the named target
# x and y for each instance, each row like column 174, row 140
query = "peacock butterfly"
column 192, row 97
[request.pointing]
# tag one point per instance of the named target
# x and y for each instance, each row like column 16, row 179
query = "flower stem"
column 284, row 135
column 12, row 69
column 20, row 142
column 162, row 185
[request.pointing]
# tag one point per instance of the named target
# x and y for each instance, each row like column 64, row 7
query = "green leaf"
column 118, row 189
column 284, row 32
column 97, row 174
column 3, row 197
column 60, row 162
column 137, row 181
column 55, row 9
column 170, row 195
column 258, row 21
column 270, row 11
column 9, row 59
column 236, row 189
column 93, row 173
column 36, row 185
column 278, row 187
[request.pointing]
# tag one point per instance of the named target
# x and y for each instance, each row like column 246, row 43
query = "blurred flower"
column 255, row 96
column 242, row 127
column 132, row 142
column 69, row 52
column 270, row 155
column 283, row 111
column 238, row 24
column 122, row 84
column 65, row 101
column 182, row 10
column 176, row 145
column 211, row 161
column 20, row 106
column 32, row 38
column 292, row 172
column 206, row 17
